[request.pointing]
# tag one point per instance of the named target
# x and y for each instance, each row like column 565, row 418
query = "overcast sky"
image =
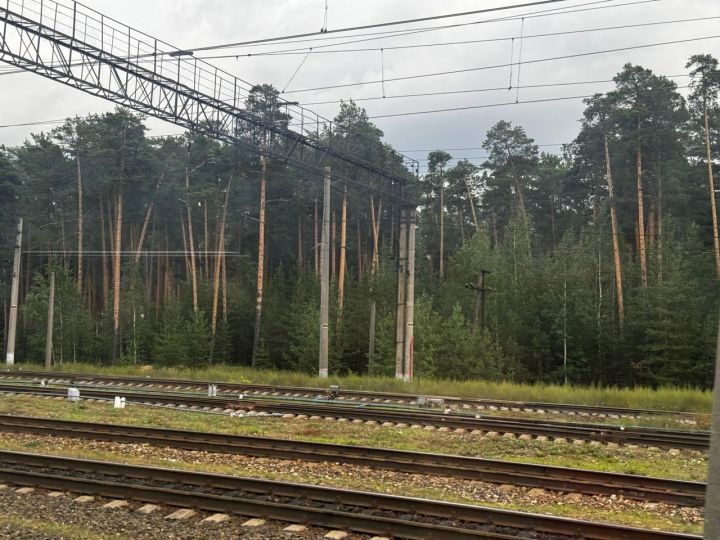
column 27, row 97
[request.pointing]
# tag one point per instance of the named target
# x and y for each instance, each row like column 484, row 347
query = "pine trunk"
column 300, row 241
column 261, row 265
column 185, row 247
column 472, row 204
column 143, row 231
column 659, row 225
column 359, row 252
column 216, row 274
column 711, row 189
column 223, row 271
column 116, row 277
column 642, row 253
column 191, row 244
column 80, row 223
column 462, row 227
column 206, row 269
column 442, row 231
column 103, row 260
column 341, row 271
column 333, row 260
column 375, row 224
column 615, row 236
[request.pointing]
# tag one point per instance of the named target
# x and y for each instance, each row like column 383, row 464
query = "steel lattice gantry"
column 79, row 47
column 82, row 48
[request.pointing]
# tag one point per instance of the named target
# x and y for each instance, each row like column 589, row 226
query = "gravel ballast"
column 357, row 477
column 37, row 516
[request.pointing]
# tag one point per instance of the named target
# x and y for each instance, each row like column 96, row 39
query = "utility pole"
column 261, row 263
column 401, row 310
column 14, row 293
column 712, row 494
column 480, row 290
column 410, row 295
column 325, row 279
column 51, row 314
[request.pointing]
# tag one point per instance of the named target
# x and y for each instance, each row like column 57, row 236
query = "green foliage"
column 537, row 223
column 181, row 341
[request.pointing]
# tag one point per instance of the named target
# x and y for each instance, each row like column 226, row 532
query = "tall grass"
column 668, row 398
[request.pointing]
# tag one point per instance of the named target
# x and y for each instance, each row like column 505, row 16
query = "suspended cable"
column 495, row 66
column 512, row 57
column 472, row 90
column 467, row 148
column 382, row 70
column 319, row 49
column 378, row 25
column 296, row 70
column 486, row 106
column 517, row 86
column 325, row 19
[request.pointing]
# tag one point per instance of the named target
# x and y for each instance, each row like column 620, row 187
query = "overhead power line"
column 326, row 49
column 467, row 148
column 388, row 34
column 496, row 66
column 472, row 90
column 485, row 106
column 36, row 123
column 377, row 25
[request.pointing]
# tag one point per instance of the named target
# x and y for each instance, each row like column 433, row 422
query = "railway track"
column 353, row 395
column 494, row 471
column 364, row 512
column 663, row 438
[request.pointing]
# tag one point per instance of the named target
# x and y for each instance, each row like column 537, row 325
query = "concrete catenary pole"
column 14, row 293
column 712, row 495
column 325, row 279
column 400, row 313
column 51, row 315
column 410, row 296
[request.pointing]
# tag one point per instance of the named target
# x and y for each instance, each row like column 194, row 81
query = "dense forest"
column 601, row 262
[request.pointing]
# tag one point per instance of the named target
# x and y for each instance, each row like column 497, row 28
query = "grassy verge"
column 686, row 466
column 676, row 399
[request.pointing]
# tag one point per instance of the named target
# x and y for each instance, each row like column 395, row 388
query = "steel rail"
column 470, row 468
column 327, row 507
column 351, row 394
column 696, row 440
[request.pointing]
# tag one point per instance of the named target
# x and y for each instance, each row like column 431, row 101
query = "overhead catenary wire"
column 474, row 90
column 496, row 66
column 517, row 85
column 485, row 106
column 378, row 25
column 372, row 36
column 325, row 49
column 297, row 70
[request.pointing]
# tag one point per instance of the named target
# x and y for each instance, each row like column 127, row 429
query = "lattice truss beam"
column 79, row 47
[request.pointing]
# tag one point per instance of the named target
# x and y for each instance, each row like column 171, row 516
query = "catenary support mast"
column 14, row 293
